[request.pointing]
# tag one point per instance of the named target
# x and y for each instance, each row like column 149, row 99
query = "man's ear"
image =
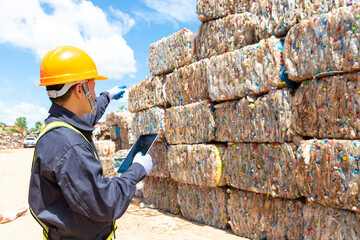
column 78, row 91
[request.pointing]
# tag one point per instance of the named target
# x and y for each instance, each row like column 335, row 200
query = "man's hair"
column 63, row 99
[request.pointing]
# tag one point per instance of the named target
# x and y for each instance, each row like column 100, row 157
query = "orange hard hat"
column 67, row 64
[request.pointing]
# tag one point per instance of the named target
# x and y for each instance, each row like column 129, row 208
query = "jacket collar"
column 58, row 112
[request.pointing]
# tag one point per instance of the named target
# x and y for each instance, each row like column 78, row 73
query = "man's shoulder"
column 60, row 138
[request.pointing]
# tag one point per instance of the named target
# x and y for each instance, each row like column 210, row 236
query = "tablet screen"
column 143, row 144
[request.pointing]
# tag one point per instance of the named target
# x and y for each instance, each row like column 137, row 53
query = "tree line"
column 21, row 126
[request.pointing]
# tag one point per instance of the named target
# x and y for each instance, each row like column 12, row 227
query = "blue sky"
column 116, row 34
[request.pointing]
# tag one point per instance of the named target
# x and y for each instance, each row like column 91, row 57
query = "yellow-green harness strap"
column 45, row 129
column 56, row 124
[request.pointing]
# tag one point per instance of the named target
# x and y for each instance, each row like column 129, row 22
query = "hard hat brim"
column 70, row 78
column 100, row 78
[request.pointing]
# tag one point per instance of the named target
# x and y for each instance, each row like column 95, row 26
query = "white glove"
column 145, row 161
column 116, row 92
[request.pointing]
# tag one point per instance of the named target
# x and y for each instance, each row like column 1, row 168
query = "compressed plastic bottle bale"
column 262, row 168
column 322, row 223
column 125, row 139
column 147, row 94
column 105, row 148
column 252, row 70
column 328, row 172
column 112, row 119
column 212, row 9
column 190, row 124
column 328, row 108
column 171, row 52
column 187, row 84
column 257, row 216
column 147, row 122
column 276, row 17
column 199, row 164
column 161, row 193
column 125, row 125
column 124, row 120
column 323, row 44
column 265, row 119
column 204, row 204
column 159, row 155
column 310, row 8
column 225, row 35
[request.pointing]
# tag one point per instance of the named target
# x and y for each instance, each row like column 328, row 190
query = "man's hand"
column 145, row 161
column 116, row 92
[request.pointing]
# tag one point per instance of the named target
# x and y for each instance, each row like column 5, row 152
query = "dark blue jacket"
column 67, row 190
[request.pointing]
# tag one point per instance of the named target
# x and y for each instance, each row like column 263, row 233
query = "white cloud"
column 40, row 25
column 126, row 22
column 33, row 113
column 179, row 10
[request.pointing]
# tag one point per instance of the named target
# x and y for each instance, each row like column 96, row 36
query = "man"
column 68, row 195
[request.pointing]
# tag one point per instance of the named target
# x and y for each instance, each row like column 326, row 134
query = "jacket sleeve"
column 101, row 103
column 79, row 175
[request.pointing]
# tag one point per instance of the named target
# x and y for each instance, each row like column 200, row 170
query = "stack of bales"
column 233, row 119
column 262, row 161
column 118, row 126
column 187, row 168
column 322, row 53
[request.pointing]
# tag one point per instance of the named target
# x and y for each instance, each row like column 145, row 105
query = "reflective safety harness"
column 45, row 129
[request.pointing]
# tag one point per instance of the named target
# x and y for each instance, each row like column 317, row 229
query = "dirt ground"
column 136, row 223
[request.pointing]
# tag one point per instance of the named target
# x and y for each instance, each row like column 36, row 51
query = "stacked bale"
column 327, row 107
column 324, row 44
column 171, row 52
column 203, row 204
column 259, row 217
column 161, row 193
column 267, row 168
column 328, row 223
column 225, row 35
column 251, row 70
column 159, row 155
column 329, row 172
column 263, row 119
column 106, row 148
column 112, row 122
column 192, row 123
column 187, row 84
column 198, row 164
column 273, row 17
column 147, row 94
column 117, row 126
column 124, row 124
column 149, row 121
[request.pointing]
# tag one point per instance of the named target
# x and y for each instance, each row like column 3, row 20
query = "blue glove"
column 116, row 92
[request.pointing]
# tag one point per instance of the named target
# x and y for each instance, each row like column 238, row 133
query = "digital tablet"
column 143, row 145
